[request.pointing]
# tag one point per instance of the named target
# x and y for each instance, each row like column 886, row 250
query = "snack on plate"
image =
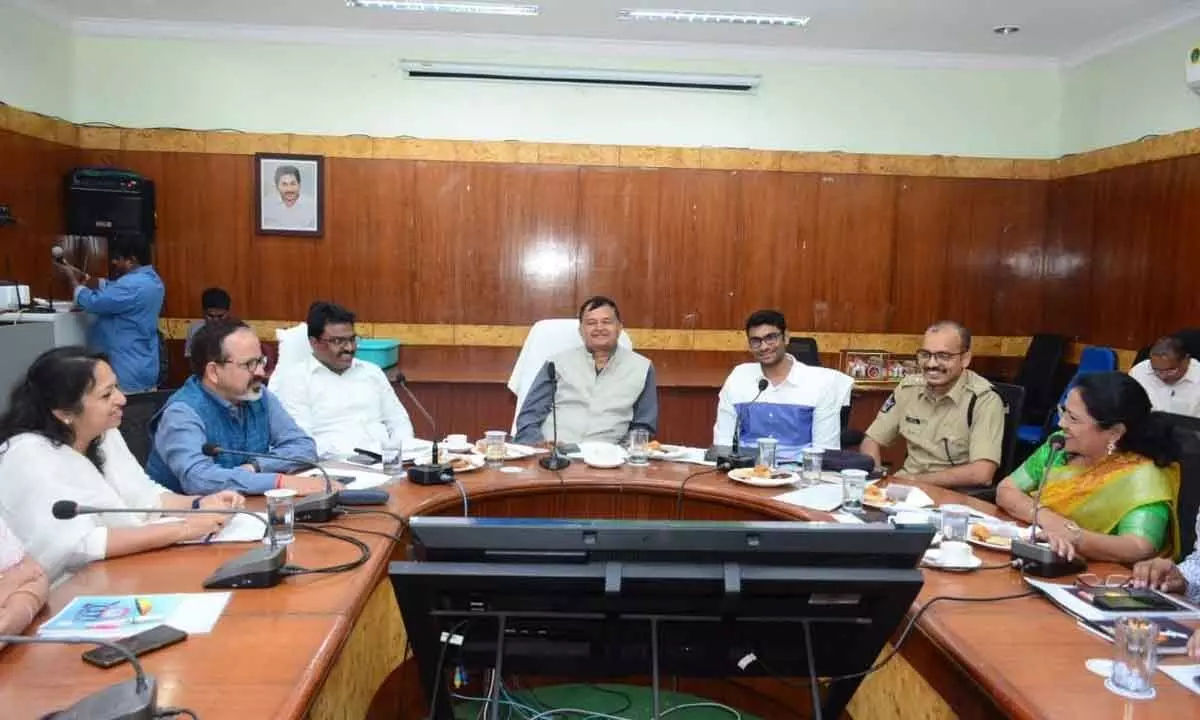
column 654, row 446
column 999, row 540
column 980, row 533
column 874, row 494
column 460, row 464
column 761, row 471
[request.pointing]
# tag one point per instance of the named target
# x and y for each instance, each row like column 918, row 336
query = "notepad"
column 117, row 616
column 825, row 498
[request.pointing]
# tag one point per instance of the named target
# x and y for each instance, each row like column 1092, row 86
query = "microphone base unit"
column 370, row 496
column 1039, row 560
column 258, row 568
column 431, row 474
column 122, row 701
column 734, row 461
column 318, row 508
column 555, row 461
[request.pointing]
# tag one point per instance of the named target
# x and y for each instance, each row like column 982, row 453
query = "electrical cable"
column 682, row 485
column 364, row 555
column 437, row 675
column 170, row 712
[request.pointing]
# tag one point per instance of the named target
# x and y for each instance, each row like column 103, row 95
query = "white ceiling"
column 1050, row 28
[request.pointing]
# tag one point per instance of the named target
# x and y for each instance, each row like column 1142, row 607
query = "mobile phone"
column 365, row 457
column 147, row 641
column 1131, row 601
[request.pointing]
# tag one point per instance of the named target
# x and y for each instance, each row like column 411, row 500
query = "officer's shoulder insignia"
column 889, row 403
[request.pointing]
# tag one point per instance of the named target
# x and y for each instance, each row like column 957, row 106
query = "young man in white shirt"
column 1170, row 378
column 799, row 406
column 342, row 402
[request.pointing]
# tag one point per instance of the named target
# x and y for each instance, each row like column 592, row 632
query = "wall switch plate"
column 6, row 217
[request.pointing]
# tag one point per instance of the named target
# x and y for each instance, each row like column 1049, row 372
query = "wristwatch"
column 196, row 503
column 1074, row 531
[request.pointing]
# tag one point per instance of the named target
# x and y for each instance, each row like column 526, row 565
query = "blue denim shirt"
column 181, row 435
column 126, row 325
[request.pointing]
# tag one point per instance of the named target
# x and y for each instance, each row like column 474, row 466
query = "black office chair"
column 1013, row 397
column 1038, row 374
column 140, row 408
column 805, row 350
column 1187, row 436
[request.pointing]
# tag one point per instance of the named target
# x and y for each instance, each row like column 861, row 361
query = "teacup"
column 955, row 553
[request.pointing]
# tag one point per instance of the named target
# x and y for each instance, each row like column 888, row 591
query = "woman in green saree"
column 1110, row 494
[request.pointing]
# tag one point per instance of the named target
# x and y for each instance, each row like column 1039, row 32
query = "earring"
column 1112, row 446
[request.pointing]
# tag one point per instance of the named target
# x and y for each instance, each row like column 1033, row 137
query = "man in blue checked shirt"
column 126, row 312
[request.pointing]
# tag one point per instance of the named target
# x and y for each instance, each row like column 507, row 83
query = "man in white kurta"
column 1170, row 377
column 343, row 403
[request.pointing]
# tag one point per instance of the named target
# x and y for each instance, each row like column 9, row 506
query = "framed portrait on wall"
column 291, row 194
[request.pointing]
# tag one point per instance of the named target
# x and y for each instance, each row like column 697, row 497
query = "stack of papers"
column 1185, row 675
column 240, row 528
column 825, row 498
column 360, row 479
column 118, row 616
column 1067, row 598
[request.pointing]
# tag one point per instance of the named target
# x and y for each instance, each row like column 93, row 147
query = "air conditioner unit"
column 1193, row 69
column 579, row 76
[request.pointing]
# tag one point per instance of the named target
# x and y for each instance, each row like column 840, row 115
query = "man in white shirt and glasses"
column 799, row 405
column 342, row 402
column 1170, row 378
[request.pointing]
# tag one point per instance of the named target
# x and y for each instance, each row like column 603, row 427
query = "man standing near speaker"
column 125, row 311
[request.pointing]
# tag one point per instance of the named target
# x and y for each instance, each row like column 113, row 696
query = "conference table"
column 333, row 646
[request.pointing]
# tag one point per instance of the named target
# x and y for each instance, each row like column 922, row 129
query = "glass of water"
column 768, row 453
column 494, row 447
column 638, row 449
column 392, row 452
column 811, row 460
column 854, row 485
column 1135, row 655
column 281, row 515
column 956, row 521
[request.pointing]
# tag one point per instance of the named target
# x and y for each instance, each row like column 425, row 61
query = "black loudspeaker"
column 108, row 201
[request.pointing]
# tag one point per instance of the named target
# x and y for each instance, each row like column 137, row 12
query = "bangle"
column 196, row 502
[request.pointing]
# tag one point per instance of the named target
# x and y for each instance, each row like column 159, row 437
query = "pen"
column 1174, row 634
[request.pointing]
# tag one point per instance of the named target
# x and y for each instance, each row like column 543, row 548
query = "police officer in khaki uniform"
column 950, row 417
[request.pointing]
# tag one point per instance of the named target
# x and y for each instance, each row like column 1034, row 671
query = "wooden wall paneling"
column 853, row 253
column 777, row 213
column 31, row 185
column 619, row 245
column 433, row 292
column 515, row 252
column 368, row 219
column 1010, row 217
column 1126, row 256
column 932, row 214
column 471, row 409
column 1067, row 264
column 1185, row 233
column 694, row 250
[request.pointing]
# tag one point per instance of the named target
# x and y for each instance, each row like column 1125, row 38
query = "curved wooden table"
column 322, row 646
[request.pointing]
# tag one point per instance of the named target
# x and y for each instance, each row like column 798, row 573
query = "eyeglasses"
column 768, row 339
column 1071, row 418
column 340, row 342
column 1091, row 580
column 249, row 365
column 1170, row 372
column 942, row 357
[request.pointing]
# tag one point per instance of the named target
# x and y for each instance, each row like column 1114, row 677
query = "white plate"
column 828, row 476
column 1009, row 531
column 747, row 476
column 512, row 451
column 466, row 448
column 602, row 455
column 476, row 462
column 667, row 452
column 932, row 559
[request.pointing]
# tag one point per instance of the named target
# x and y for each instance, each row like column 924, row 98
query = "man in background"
column 951, row 418
column 1170, row 378
column 225, row 404
column 342, row 402
column 126, row 312
column 800, row 405
column 215, row 304
column 602, row 389
column 288, row 209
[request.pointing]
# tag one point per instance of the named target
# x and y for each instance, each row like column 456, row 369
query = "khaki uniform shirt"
column 935, row 428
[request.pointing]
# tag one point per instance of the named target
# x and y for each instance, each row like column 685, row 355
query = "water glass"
column 392, row 452
column 768, row 453
column 810, row 465
column 1135, row 655
column 854, row 485
column 638, row 448
column 281, row 515
column 956, row 521
column 494, row 447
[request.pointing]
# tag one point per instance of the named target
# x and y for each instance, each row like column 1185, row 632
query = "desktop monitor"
column 600, row 598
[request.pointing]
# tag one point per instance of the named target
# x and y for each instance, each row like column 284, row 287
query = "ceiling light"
column 470, row 8
column 1006, row 29
column 728, row 18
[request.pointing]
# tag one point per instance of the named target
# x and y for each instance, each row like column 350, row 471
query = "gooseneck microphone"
column 319, row 508
column 135, row 699
column 736, row 459
column 432, row 473
column 555, row 461
column 261, row 567
column 1032, row 557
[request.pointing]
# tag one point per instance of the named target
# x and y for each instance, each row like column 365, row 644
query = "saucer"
column 932, row 559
